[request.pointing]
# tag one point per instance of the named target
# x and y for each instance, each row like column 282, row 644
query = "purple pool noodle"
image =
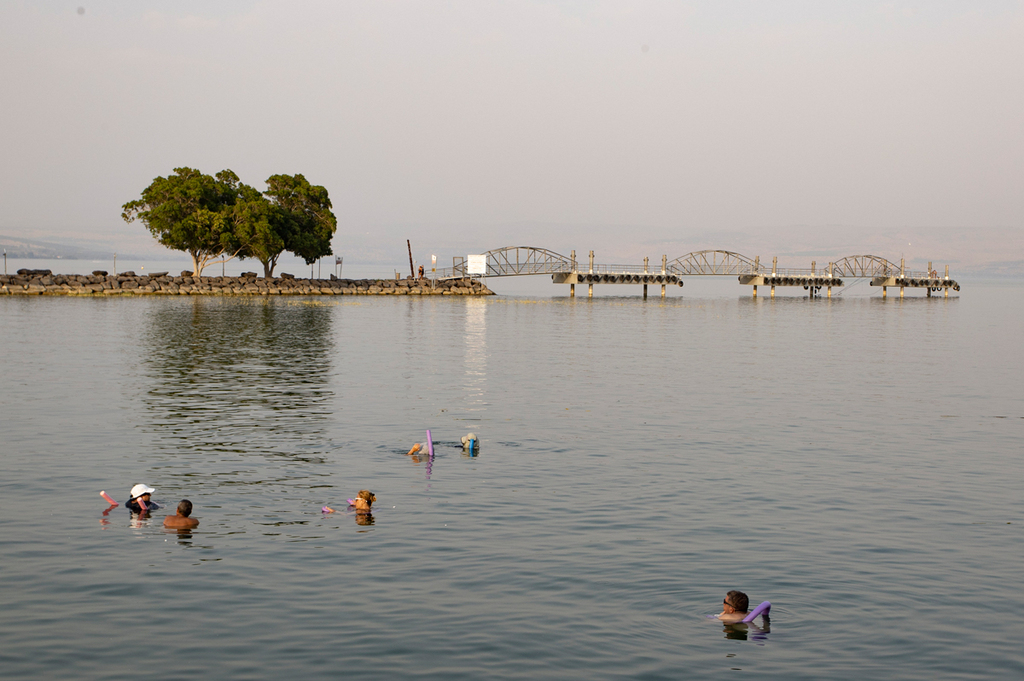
column 758, row 611
column 351, row 502
column 430, row 444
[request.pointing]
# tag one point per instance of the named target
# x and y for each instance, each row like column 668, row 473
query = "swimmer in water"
column 182, row 521
column 364, row 500
column 734, row 607
column 141, row 492
column 415, row 452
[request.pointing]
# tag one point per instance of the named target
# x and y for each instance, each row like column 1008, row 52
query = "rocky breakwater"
column 99, row 283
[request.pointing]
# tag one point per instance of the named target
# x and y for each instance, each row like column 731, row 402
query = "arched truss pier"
column 511, row 261
column 729, row 262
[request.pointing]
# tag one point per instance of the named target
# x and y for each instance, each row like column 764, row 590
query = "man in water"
column 141, row 492
column 734, row 607
column 182, row 520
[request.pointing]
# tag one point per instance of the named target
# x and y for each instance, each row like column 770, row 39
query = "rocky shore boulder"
column 44, row 282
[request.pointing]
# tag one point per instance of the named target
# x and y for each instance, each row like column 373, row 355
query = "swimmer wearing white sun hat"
column 141, row 492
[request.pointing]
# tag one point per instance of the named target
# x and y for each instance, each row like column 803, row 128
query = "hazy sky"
column 635, row 127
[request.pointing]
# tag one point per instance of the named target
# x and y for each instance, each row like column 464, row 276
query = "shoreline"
column 99, row 283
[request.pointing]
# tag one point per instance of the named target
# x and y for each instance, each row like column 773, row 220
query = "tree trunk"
column 195, row 264
column 268, row 269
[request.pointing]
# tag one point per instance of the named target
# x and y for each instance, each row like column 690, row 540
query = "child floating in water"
column 182, row 520
column 734, row 607
column 141, row 492
column 363, row 501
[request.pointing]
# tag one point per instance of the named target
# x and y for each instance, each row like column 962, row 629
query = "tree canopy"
column 306, row 223
column 215, row 219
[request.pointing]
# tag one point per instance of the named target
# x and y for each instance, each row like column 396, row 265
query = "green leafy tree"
column 255, row 223
column 304, row 220
column 189, row 211
column 215, row 219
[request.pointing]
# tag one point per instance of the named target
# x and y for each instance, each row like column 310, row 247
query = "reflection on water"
column 742, row 631
column 139, row 520
column 184, row 536
column 238, row 379
column 476, row 353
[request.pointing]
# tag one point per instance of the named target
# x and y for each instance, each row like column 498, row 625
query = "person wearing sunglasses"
column 734, row 607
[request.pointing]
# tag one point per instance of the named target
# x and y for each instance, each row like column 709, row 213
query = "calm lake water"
column 855, row 461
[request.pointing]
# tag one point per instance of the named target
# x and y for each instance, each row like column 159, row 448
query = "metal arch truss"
column 516, row 260
column 712, row 262
column 512, row 261
column 864, row 266
column 728, row 262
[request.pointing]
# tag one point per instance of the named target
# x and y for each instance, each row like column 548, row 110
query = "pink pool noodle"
column 430, row 444
column 142, row 504
column 107, row 497
column 758, row 611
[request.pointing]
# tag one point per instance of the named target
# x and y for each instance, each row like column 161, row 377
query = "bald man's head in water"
column 182, row 521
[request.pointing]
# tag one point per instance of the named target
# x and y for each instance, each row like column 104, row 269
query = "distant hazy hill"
column 31, row 248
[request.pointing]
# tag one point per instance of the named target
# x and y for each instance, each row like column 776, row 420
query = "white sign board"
column 476, row 264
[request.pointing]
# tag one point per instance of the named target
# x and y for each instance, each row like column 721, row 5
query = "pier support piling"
column 572, row 287
column 646, row 259
column 590, row 287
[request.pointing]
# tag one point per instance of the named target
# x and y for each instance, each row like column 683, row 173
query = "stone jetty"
column 99, row 283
